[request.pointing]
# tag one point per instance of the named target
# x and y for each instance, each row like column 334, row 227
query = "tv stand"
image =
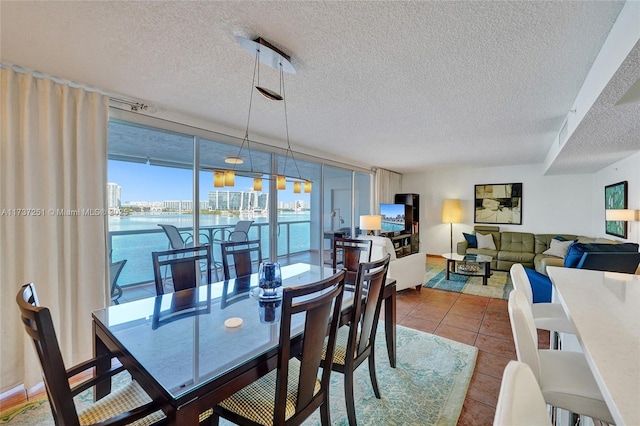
column 413, row 218
column 401, row 244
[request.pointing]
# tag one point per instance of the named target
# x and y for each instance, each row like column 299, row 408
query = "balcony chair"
column 520, row 401
column 547, row 316
column 185, row 265
column 176, row 241
column 290, row 393
column 355, row 341
column 130, row 404
column 564, row 377
column 114, row 272
column 348, row 253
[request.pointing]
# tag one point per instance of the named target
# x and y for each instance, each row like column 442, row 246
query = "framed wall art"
column 615, row 197
column 498, row 203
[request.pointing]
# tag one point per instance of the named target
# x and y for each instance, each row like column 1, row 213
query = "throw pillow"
column 558, row 248
column 559, row 238
column 540, row 286
column 485, row 241
column 472, row 242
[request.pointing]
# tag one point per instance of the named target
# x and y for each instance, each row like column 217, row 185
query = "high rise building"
column 113, row 195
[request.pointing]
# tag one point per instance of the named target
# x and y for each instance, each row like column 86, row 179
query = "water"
column 137, row 248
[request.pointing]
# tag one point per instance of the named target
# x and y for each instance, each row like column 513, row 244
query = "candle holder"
column 269, row 309
column 269, row 279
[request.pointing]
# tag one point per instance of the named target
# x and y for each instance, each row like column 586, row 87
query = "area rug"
column 427, row 387
column 498, row 287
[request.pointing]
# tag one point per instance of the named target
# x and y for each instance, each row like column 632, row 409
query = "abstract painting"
column 498, row 203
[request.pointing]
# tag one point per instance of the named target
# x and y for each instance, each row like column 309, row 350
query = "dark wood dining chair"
column 293, row 391
column 122, row 407
column 115, row 268
column 355, row 341
column 243, row 257
column 182, row 304
column 348, row 253
column 186, row 267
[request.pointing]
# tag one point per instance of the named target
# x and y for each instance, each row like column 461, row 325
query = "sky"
column 143, row 182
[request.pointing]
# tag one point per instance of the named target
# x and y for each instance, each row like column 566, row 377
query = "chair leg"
column 214, row 419
column 372, row 374
column 325, row 416
column 348, row 396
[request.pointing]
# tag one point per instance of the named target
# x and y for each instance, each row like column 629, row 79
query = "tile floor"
column 474, row 320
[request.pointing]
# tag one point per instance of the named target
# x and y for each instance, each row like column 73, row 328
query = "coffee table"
column 472, row 265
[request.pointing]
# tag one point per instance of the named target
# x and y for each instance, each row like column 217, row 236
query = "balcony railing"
column 136, row 245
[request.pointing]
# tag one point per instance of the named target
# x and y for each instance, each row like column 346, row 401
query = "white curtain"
column 53, row 226
column 388, row 184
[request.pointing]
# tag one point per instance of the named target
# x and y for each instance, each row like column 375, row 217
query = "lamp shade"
column 257, row 184
column 621, row 214
column 371, row 222
column 451, row 212
column 281, row 182
column 218, row 179
column 229, row 178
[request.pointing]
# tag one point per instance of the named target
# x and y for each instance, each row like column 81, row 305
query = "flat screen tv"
column 394, row 217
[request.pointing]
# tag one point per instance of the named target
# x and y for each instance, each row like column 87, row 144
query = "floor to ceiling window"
column 152, row 181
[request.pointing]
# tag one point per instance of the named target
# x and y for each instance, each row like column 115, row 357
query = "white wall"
column 571, row 204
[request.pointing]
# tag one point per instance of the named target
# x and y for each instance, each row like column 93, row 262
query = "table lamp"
column 370, row 223
column 451, row 213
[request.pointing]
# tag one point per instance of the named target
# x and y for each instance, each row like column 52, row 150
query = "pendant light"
column 267, row 53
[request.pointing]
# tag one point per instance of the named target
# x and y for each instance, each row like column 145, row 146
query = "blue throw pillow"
column 559, row 238
column 540, row 286
column 576, row 250
column 471, row 240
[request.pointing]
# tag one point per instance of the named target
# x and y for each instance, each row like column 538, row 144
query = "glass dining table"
column 187, row 350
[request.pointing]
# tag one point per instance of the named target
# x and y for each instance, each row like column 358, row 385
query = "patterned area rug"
column 498, row 287
column 427, row 387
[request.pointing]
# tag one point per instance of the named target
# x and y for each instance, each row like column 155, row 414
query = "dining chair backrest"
column 320, row 304
column 524, row 331
column 115, row 269
column 117, row 409
column 243, row 257
column 39, row 326
column 370, row 281
column 185, row 266
column 521, row 281
column 186, row 303
column 520, row 401
column 348, row 253
column 240, row 231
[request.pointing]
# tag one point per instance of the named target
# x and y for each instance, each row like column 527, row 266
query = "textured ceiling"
column 402, row 85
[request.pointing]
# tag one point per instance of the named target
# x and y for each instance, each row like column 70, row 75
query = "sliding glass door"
column 153, row 181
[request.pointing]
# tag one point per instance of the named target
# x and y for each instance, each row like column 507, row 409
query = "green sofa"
column 522, row 247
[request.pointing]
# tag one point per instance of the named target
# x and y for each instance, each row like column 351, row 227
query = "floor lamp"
column 451, row 213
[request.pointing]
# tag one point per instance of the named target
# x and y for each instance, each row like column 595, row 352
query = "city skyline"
column 143, row 182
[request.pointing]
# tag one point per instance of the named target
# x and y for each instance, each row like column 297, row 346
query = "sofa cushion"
column 485, row 241
column 576, row 250
column 522, row 242
column 472, row 242
column 543, row 241
column 540, row 286
column 558, row 248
